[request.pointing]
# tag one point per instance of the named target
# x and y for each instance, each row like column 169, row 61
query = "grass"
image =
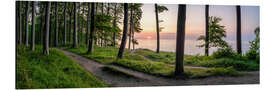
column 239, row 63
column 160, row 64
column 35, row 70
column 159, row 67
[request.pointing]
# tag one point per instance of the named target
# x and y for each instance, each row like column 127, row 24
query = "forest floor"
column 136, row 78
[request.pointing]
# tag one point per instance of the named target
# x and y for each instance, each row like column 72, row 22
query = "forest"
column 82, row 45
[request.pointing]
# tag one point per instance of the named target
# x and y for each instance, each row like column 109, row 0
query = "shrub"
column 224, row 52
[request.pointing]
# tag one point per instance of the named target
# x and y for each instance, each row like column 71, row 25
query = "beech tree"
column 33, row 25
column 91, row 41
column 26, row 22
column 75, row 41
column 180, row 39
column 124, row 37
column 238, row 29
column 47, row 29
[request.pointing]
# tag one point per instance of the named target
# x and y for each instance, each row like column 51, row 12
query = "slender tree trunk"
column 102, row 31
column 75, row 42
column 238, row 31
column 133, row 40
column 70, row 27
column 56, row 25
column 65, row 26
column 88, row 24
column 42, row 24
column 82, row 24
column 124, row 37
column 206, row 30
column 130, row 28
column 47, row 29
column 17, row 22
column 157, row 27
column 180, row 40
column 33, row 25
column 79, row 24
column 26, row 22
column 20, row 22
column 114, row 24
column 91, row 41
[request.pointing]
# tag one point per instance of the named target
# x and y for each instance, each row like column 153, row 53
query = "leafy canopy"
column 216, row 34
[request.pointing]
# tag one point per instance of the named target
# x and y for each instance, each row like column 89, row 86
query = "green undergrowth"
column 162, row 69
column 159, row 67
column 237, row 62
column 35, row 70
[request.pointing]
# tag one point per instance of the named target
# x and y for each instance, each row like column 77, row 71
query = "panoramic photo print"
column 100, row 44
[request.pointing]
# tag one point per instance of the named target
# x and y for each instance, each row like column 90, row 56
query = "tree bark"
column 114, row 24
column 47, row 29
column 26, row 22
column 206, row 30
column 88, row 25
column 180, row 40
column 17, row 22
column 79, row 24
column 33, row 25
column 56, row 25
column 238, row 31
column 75, row 42
column 65, row 26
column 70, row 26
column 157, row 27
column 42, row 24
column 91, row 41
column 20, row 22
column 130, row 28
column 124, row 37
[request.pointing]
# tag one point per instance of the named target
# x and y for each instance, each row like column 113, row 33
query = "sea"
column 191, row 48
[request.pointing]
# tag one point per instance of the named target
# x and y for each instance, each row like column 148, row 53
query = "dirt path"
column 142, row 79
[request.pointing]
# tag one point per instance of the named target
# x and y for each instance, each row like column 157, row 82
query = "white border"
column 7, row 46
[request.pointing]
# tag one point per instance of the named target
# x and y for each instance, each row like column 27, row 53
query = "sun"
column 148, row 37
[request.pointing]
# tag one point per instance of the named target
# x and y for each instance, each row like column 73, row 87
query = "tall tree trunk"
column 206, row 30
column 42, row 24
column 102, row 31
column 33, row 25
column 88, row 25
column 56, row 25
column 82, row 24
column 114, row 24
column 157, row 27
column 133, row 40
column 17, row 22
column 180, row 40
column 79, row 24
column 70, row 27
column 65, row 26
column 91, row 41
column 238, row 31
column 130, row 27
column 20, row 22
column 47, row 28
column 75, row 42
column 26, row 22
column 124, row 37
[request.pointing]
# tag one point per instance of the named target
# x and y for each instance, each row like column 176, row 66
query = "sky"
column 195, row 21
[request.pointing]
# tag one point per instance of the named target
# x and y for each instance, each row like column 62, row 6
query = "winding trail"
column 143, row 79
